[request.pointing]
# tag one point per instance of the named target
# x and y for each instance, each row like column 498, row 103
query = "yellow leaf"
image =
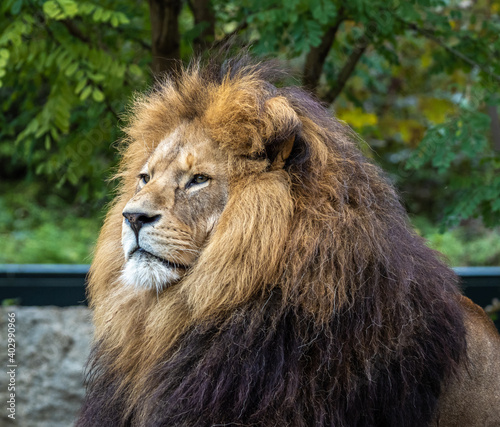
column 411, row 131
column 357, row 118
column 426, row 59
column 357, row 83
column 434, row 109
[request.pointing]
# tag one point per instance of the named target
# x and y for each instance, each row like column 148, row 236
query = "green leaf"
column 408, row 12
column 85, row 93
column 323, row 11
column 71, row 69
column 123, row 18
column 87, row 8
column 79, row 87
column 135, row 70
column 16, row 7
column 106, row 16
column 97, row 77
column 51, row 9
column 314, row 33
column 97, row 95
column 115, row 21
column 69, row 7
column 97, row 14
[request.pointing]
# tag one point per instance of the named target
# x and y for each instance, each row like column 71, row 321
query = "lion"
column 255, row 269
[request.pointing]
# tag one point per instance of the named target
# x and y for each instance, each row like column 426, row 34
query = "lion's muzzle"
column 137, row 220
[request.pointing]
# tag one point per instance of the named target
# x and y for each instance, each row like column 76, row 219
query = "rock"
column 52, row 347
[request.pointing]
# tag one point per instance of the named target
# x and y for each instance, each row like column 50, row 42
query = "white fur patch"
column 211, row 223
column 167, row 144
column 197, row 187
column 128, row 239
column 143, row 271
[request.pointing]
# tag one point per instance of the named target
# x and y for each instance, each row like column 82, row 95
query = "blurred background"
column 418, row 80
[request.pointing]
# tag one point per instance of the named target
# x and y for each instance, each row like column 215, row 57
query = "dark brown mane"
column 332, row 312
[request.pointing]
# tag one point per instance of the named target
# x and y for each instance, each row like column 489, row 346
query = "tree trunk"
column 346, row 71
column 316, row 57
column 495, row 127
column 165, row 34
column 203, row 15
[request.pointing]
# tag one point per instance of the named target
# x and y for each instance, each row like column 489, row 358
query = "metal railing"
column 43, row 284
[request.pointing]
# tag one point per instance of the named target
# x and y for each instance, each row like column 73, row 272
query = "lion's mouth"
column 165, row 262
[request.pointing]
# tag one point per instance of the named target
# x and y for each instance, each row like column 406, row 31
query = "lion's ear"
column 280, row 126
column 278, row 158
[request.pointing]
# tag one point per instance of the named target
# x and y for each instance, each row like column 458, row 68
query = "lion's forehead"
column 186, row 148
column 168, row 146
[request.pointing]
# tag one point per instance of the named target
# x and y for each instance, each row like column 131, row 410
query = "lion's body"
column 277, row 282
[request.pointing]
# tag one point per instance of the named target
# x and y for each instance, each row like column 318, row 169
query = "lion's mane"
column 313, row 303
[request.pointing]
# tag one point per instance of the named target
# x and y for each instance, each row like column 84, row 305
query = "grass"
column 44, row 231
column 470, row 244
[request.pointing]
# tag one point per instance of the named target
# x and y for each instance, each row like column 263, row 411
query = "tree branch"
column 316, row 57
column 346, row 71
column 137, row 40
column 75, row 31
column 431, row 36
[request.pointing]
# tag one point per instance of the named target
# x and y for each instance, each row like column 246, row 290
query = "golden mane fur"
column 323, row 234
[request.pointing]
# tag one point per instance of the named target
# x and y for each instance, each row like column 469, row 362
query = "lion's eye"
column 144, row 177
column 198, row 179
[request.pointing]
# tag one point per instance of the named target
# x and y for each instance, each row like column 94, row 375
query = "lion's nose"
column 137, row 219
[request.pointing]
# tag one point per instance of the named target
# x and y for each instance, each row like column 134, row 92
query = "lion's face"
column 181, row 191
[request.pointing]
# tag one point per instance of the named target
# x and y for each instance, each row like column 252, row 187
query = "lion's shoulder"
column 472, row 397
column 477, row 321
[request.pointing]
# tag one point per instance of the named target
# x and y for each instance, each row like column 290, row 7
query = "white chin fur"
column 144, row 272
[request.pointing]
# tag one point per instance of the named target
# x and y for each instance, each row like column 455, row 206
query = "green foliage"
column 67, row 70
column 9, row 302
column 43, row 229
column 295, row 25
column 469, row 245
column 459, row 148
